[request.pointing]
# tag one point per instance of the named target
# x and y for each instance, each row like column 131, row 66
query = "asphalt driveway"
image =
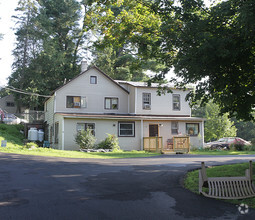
column 34, row 187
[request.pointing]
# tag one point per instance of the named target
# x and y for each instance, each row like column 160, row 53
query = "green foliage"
column 245, row 129
column 31, row 145
column 111, row 142
column 48, row 37
column 215, row 126
column 12, row 133
column 85, row 139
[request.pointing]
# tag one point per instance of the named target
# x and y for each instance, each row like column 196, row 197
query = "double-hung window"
column 126, row 129
column 111, row 103
column 76, row 102
column 174, row 127
column 147, row 101
column 85, row 126
column 176, row 102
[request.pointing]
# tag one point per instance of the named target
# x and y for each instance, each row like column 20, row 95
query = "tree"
column 48, row 41
column 216, row 46
column 215, row 126
column 116, row 50
column 245, row 129
column 212, row 47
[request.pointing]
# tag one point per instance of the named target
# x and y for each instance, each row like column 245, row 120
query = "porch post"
column 141, row 134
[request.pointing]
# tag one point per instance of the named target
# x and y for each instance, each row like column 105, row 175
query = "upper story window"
column 111, row 103
column 76, row 102
column 126, row 129
column 174, row 127
column 176, row 102
column 147, row 101
column 85, row 126
column 192, row 129
column 10, row 104
column 93, row 79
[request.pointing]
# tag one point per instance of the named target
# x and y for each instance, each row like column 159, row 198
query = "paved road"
column 37, row 188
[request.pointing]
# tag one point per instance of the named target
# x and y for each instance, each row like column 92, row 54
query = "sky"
column 7, row 9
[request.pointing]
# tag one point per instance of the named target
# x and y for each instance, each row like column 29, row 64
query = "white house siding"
column 162, row 105
column 95, row 94
column 102, row 128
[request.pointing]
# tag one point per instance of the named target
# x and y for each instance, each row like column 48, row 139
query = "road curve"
column 34, row 187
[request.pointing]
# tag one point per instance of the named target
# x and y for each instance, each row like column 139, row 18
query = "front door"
column 153, row 130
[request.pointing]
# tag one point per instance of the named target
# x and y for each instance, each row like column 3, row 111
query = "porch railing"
column 154, row 144
column 178, row 144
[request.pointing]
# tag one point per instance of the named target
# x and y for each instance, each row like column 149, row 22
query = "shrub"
column 85, row 139
column 237, row 145
column 111, row 142
column 31, row 145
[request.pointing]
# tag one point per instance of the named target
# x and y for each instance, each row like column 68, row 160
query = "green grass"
column 191, row 179
column 221, row 152
column 14, row 138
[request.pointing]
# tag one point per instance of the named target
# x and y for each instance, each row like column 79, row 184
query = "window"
column 10, row 104
column 76, row 102
column 176, row 102
column 126, row 129
column 192, row 129
column 85, row 126
column 56, row 132
column 93, row 80
column 147, row 101
column 174, row 127
column 111, row 103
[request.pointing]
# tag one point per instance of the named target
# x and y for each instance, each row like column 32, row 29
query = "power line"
column 26, row 93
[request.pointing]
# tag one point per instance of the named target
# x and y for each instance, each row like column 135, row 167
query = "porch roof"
column 131, row 116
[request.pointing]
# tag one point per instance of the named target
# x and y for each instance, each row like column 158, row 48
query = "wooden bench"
column 227, row 187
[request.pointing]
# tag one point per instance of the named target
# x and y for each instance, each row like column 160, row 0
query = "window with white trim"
column 85, row 126
column 126, row 129
column 174, row 127
column 176, row 102
column 147, row 101
column 76, row 102
column 111, row 103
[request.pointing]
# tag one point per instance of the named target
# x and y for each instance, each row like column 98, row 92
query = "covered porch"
column 176, row 144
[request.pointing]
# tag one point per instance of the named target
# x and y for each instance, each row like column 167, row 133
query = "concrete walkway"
column 33, row 187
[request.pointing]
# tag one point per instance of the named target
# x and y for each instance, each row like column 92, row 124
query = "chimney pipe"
column 84, row 66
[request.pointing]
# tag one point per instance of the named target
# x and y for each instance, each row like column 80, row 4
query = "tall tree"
column 116, row 49
column 213, row 47
column 56, row 27
column 215, row 126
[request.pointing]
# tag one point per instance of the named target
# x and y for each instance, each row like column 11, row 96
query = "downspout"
column 63, row 133
column 135, row 99
column 141, row 134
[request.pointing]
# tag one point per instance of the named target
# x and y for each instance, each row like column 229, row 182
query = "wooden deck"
column 178, row 144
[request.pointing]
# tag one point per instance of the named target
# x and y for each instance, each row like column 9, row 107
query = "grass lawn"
column 191, row 180
column 221, row 152
column 14, row 138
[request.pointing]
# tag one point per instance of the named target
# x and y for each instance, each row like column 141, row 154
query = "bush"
column 111, row 142
column 31, row 145
column 85, row 139
column 238, row 146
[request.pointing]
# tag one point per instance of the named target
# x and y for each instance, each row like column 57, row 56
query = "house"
column 7, row 104
column 130, row 110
